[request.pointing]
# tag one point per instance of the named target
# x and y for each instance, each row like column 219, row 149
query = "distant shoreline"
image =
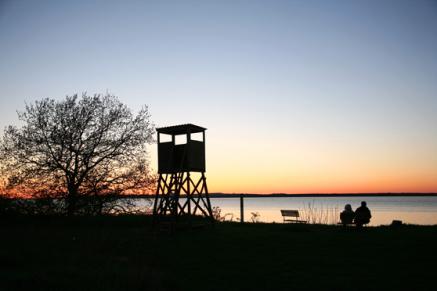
column 220, row 195
column 251, row 195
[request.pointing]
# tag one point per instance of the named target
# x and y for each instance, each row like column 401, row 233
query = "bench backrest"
column 292, row 213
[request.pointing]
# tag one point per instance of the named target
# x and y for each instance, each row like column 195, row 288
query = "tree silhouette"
column 83, row 150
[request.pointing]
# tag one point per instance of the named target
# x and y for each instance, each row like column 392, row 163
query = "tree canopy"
column 79, row 149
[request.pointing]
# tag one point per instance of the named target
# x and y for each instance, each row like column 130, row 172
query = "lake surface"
column 413, row 210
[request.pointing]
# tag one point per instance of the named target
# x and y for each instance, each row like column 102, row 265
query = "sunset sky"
column 297, row 96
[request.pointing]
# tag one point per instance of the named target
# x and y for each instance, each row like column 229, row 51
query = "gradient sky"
column 297, row 96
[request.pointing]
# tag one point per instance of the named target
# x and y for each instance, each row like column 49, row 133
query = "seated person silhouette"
column 362, row 215
column 347, row 215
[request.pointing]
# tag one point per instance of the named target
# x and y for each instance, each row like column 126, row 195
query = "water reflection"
column 413, row 210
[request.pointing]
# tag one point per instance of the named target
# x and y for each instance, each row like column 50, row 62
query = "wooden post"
column 188, row 190
column 204, row 143
column 241, row 208
column 189, row 195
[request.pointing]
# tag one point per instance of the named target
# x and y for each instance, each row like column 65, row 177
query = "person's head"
column 348, row 207
column 363, row 203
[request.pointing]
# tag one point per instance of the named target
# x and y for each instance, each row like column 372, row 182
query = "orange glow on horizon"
column 324, row 180
column 266, row 168
column 283, row 166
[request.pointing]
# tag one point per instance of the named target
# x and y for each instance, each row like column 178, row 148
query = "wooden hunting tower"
column 181, row 169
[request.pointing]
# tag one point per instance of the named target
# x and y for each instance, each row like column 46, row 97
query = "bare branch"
column 93, row 145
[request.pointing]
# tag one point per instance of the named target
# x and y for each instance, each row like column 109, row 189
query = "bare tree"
column 81, row 150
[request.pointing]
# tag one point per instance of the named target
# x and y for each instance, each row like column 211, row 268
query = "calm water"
column 414, row 210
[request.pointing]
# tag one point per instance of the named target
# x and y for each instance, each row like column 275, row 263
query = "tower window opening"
column 198, row 136
column 181, row 139
column 164, row 137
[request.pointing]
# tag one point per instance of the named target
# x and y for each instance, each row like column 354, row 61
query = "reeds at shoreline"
column 320, row 214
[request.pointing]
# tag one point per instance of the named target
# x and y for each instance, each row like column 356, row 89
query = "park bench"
column 293, row 214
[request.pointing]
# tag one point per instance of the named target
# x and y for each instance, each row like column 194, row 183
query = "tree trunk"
column 71, row 200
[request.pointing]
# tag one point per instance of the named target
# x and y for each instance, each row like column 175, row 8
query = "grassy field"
column 125, row 253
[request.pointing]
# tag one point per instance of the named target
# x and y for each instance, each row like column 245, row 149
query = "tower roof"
column 181, row 129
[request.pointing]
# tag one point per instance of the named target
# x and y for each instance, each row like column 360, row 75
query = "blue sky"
column 324, row 83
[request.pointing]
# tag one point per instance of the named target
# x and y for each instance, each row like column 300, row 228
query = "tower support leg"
column 194, row 193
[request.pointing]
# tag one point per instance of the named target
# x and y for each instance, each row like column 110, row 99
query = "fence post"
column 241, row 208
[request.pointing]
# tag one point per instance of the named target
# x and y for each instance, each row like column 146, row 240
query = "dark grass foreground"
column 123, row 253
